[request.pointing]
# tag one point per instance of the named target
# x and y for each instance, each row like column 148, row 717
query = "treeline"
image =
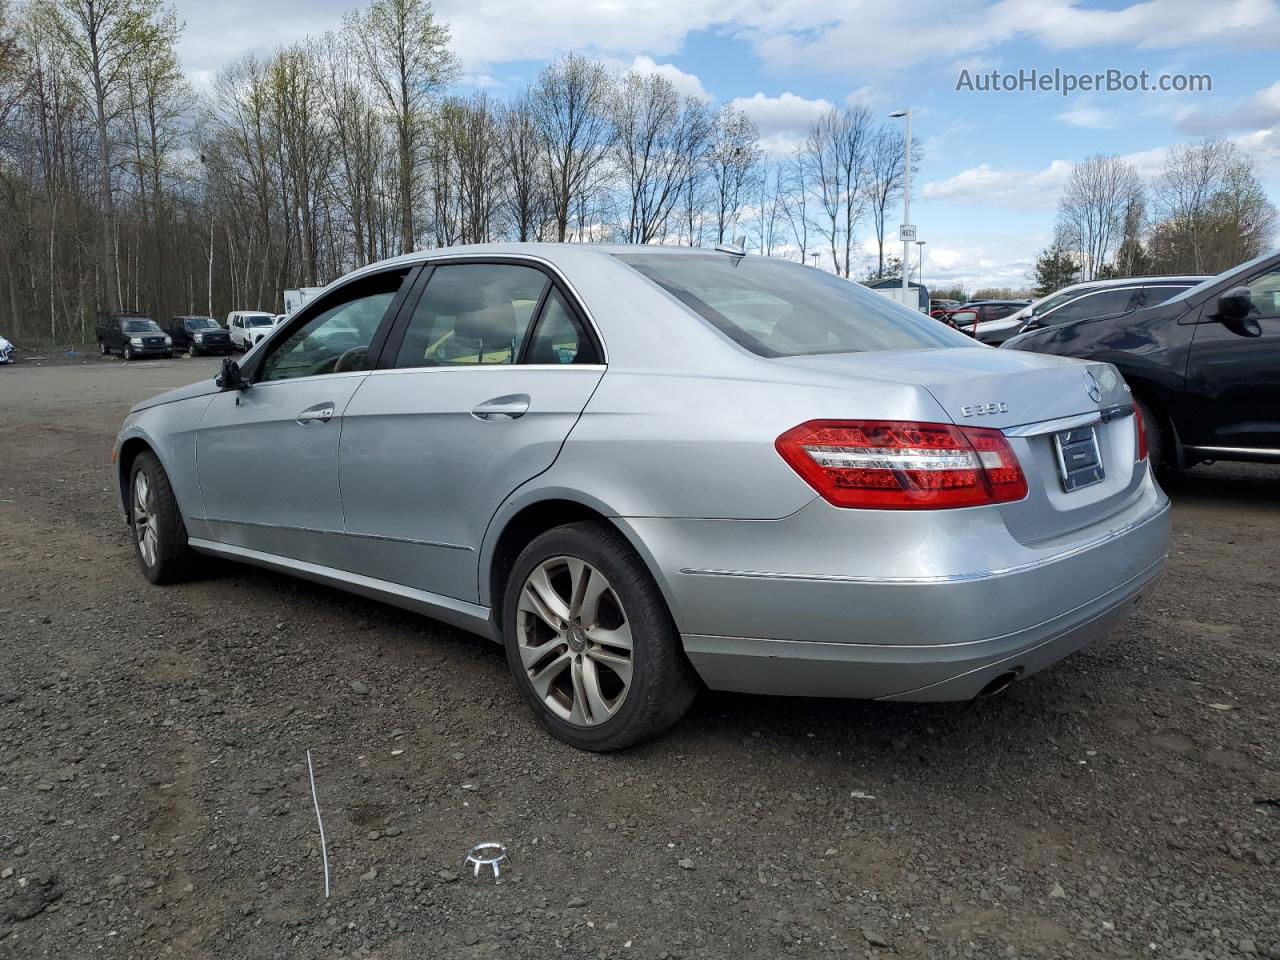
column 123, row 186
column 1203, row 213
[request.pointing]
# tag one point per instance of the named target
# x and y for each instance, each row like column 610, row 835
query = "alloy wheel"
column 574, row 641
column 144, row 521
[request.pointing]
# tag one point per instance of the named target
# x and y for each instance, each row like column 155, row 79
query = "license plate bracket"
column 1079, row 458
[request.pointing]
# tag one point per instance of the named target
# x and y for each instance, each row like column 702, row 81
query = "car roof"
column 1126, row 281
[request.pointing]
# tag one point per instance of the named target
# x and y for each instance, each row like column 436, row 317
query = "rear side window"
column 778, row 309
column 559, row 336
column 471, row 314
column 1160, row 293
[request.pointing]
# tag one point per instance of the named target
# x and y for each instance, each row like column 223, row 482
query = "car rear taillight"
column 1141, row 423
column 898, row 465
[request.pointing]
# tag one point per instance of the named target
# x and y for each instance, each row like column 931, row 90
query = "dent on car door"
column 492, row 369
column 1233, row 376
column 267, row 456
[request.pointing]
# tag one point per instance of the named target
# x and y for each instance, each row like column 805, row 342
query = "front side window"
column 779, row 309
column 336, row 333
column 472, row 314
column 1264, row 291
column 1105, row 303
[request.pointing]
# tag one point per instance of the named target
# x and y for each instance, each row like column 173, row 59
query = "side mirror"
column 230, row 377
column 1233, row 309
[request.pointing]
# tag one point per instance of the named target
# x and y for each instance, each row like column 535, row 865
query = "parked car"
column 133, row 335
column 1093, row 299
column 198, row 335
column 937, row 308
column 247, row 327
column 6, row 351
column 1204, row 365
column 974, row 316
column 638, row 467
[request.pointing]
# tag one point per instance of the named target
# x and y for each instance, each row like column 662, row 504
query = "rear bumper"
column 931, row 635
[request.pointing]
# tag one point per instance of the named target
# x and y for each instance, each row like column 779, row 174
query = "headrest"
column 493, row 325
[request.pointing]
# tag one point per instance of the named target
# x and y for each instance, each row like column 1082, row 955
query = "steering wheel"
column 352, row 359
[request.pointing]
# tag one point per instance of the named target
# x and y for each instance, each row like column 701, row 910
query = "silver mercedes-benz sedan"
column 646, row 468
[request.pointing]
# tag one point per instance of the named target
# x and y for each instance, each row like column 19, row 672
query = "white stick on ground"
column 324, row 847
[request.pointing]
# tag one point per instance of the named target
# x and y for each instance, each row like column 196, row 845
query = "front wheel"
column 590, row 641
column 1156, row 446
column 128, row 352
column 102, row 346
column 159, row 535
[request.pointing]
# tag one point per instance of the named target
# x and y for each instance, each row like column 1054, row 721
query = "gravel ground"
column 154, row 798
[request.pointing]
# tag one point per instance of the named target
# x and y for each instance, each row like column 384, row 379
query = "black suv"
column 134, row 335
column 198, row 334
column 1204, row 365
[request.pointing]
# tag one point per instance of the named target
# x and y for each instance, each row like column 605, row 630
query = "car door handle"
column 510, row 407
column 320, row 413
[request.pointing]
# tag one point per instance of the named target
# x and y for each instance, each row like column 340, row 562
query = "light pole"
column 907, row 231
column 920, row 261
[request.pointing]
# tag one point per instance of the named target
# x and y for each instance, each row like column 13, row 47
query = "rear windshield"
column 778, row 309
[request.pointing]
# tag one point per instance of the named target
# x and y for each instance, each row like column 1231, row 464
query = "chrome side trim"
column 1091, row 419
column 1237, row 451
column 339, row 533
column 459, row 613
column 946, row 578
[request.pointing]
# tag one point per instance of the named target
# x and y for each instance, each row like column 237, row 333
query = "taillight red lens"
column 1141, row 423
column 900, row 465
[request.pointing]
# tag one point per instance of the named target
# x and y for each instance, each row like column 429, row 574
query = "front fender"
column 169, row 432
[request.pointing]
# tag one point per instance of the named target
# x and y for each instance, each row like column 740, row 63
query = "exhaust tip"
column 1000, row 684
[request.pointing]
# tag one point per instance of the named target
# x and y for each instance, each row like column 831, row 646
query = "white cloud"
column 686, row 84
column 1091, row 118
column 1259, row 111
column 990, row 186
column 783, row 120
column 482, row 80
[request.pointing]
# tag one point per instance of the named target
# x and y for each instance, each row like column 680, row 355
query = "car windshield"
column 201, row 323
column 139, row 326
column 779, row 309
column 259, row 320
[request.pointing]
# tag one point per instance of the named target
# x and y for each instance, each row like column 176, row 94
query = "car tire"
column 159, row 533
column 128, row 352
column 1156, row 446
column 572, row 681
column 102, row 346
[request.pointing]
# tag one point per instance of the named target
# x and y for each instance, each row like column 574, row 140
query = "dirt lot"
column 154, row 798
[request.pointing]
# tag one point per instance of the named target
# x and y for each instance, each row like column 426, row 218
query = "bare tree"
column 796, row 189
column 884, row 180
column 1092, row 208
column 660, row 143
column 407, row 50
column 733, row 163
column 570, row 105
column 837, row 150
column 522, row 149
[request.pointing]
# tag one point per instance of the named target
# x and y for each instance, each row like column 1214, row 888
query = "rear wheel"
column 590, row 641
column 159, row 535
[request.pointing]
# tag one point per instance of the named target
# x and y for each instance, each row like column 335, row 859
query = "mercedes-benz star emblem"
column 1091, row 387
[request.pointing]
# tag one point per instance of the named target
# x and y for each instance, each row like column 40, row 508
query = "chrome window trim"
column 946, row 578
column 563, row 367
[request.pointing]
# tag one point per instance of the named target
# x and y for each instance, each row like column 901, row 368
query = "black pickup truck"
column 199, row 335
column 133, row 335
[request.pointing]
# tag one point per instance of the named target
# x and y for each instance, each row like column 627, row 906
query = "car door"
column 1233, row 378
column 468, row 407
column 267, row 455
